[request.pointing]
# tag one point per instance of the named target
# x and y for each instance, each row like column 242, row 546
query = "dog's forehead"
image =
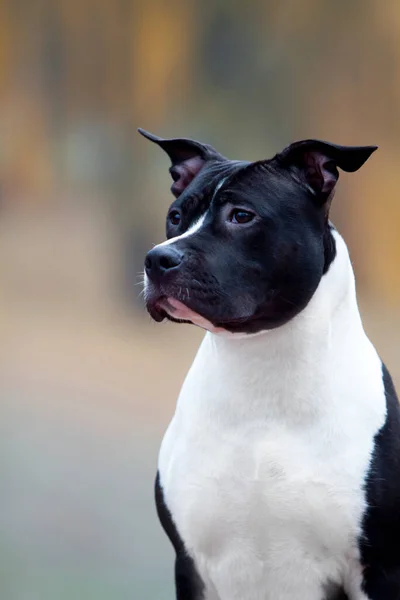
column 197, row 197
column 259, row 184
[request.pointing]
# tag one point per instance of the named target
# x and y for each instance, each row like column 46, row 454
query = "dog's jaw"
column 167, row 306
column 177, row 310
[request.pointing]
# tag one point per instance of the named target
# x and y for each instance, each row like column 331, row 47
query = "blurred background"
column 87, row 383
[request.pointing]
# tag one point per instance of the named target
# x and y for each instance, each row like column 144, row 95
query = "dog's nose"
column 162, row 259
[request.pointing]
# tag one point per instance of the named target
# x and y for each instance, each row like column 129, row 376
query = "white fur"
column 218, row 187
column 264, row 462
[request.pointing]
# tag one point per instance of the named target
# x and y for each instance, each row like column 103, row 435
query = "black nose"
column 162, row 259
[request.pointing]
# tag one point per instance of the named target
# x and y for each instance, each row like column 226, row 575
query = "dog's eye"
column 240, row 216
column 174, row 217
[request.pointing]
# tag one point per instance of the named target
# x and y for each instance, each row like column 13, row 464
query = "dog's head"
column 248, row 242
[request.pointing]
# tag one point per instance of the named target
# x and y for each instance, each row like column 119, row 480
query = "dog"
column 279, row 475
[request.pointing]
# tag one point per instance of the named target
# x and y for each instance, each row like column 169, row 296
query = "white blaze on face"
column 192, row 230
column 197, row 224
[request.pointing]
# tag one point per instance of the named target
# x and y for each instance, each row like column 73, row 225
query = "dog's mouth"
column 169, row 307
column 175, row 310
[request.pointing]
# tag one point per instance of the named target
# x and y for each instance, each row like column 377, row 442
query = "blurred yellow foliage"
column 77, row 77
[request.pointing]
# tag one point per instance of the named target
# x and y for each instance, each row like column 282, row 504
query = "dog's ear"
column 187, row 158
column 316, row 163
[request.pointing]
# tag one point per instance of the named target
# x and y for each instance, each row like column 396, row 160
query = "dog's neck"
column 286, row 370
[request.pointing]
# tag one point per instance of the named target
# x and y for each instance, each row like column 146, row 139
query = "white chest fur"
column 264, row 462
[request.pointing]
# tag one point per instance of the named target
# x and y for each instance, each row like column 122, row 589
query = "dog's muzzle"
column 162, row 262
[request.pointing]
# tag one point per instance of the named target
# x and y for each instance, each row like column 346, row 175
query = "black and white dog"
column 279, row 475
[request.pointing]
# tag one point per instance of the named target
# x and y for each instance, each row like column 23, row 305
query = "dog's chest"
column 263, row 468
column 273, row 501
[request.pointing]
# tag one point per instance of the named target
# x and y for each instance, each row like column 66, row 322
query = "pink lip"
column 178, row 310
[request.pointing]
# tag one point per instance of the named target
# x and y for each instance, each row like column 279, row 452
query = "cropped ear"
column 317, row 162
column 187, row 158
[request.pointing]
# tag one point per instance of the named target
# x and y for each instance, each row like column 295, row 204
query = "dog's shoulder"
column 382, row 485
column 381, row 525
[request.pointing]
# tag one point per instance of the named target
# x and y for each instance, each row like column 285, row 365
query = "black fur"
column 334, row 592
column 276, row 261
column 187, row 581
column 380, row 544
